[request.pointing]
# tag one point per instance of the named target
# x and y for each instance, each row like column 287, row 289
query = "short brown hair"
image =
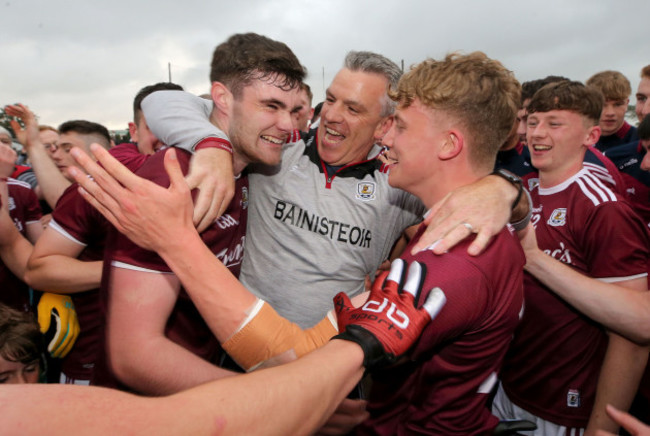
column 20, row 337
column 245, row 57
column 477, row 91
column 612, row 84
column 571, row 96
column 645, row 71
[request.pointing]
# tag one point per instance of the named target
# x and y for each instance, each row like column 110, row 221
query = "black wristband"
column 512, row 179
column 374, row 355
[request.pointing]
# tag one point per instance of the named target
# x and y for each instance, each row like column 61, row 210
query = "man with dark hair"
column 563, row 368
column 303, row 114
column 162, row 345
column 616, row 89
column 49, row 165
column 68, row 258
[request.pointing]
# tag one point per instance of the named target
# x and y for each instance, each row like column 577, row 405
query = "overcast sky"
column 87, row 59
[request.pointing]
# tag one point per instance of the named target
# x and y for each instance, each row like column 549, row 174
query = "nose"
column 285, row 121
column 645, row 110
column 331, row 112
column 389, row 138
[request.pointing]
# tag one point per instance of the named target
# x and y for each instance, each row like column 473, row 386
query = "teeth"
column 538, row 147
column 273, row 139
column 332, row 132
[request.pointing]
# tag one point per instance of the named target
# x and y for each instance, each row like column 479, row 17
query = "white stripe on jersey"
column 118, row 264
column 56, row 226
column 594, row 189
column 600, row 172
column 11, row 181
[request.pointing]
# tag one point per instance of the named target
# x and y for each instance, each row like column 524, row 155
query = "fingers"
column 435, row 302
column 114, row 171
column 415, row 280
column 173, row 168
column 396, row 273
column 629, row 423
column 480, row 243
column 457, row 234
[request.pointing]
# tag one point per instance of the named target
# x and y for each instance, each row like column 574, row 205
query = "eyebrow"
column 275, row 102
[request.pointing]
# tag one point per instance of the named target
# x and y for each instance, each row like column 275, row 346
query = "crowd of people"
column 441, row 251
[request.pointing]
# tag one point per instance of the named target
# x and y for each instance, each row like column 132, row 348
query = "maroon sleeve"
column 129, row 253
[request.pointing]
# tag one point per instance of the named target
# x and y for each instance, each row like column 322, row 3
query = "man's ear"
column 593, row 135
column 452, row 146
column 221, row 96
column 133, row 131
column 383, row 127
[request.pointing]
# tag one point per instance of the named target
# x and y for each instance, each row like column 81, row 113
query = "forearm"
column 50, row 180
column 619, row 379
column 15, row 253
column 267, row 335
column 620, row 309
column 158, row 366
column 63, row 274
column 224, row 303
column 310, row 387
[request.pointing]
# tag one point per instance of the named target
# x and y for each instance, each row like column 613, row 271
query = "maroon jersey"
column 444, row 390
column 553, row 365
column 23, row 210
column 225, row 238
column 81, row 223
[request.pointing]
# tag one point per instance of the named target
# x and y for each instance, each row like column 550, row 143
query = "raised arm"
column 182, row 120
column 50, row 180
column 484, row 208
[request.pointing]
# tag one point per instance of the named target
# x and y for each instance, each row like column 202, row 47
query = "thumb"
column 173, row 168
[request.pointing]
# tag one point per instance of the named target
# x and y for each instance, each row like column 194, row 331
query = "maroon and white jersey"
column 78, row 221
column 553, row 364
column 225, row 238
column 445, row 388
column 74, row 218
column 23, row 209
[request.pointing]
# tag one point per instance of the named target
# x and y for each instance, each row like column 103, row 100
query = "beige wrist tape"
column 267, row 334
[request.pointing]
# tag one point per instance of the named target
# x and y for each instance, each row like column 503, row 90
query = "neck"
column 548, row 179
column 438, row 186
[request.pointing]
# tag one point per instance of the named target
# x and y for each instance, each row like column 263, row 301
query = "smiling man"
column 562, row 367
column 162, row 345
column 614, row 129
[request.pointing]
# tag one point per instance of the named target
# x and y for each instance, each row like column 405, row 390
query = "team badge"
column 573, row 398
column 558, row 217
column 366, row 191
column 244, row 197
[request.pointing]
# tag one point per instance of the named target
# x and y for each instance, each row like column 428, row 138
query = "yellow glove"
column 58, row 322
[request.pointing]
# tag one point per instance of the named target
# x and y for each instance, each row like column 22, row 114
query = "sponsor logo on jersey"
column 628, row 163
column 562, row 254
column 226, row 221
column 366, row 191
column 573, row 398
column 558, row 217
column 291, row 214
column 234, row 256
